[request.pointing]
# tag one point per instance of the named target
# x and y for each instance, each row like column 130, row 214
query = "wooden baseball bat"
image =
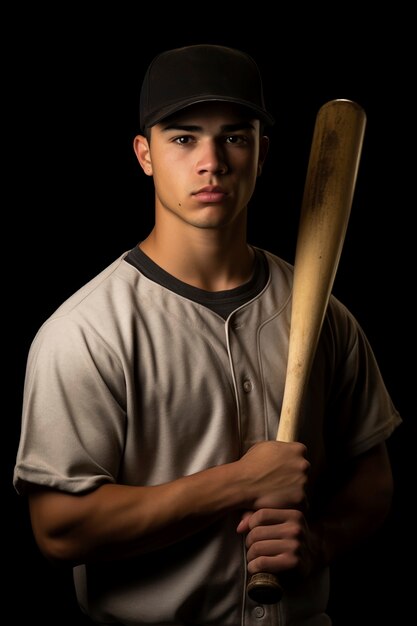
column 330, row 183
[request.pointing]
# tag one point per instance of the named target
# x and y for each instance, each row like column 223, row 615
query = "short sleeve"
column 73, row 419
column 361, row 413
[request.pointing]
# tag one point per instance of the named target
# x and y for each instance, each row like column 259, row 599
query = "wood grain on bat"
column 328, row 193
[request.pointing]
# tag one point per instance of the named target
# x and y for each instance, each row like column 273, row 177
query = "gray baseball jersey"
column 129, row 382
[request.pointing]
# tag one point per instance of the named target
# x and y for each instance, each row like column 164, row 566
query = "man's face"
column 204, row 161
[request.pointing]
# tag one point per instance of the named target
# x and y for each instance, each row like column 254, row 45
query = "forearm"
column 118, row 521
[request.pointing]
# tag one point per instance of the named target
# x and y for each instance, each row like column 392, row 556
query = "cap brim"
column 169, row 110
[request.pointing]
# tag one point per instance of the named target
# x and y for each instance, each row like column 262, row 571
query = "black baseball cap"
column 178, row 78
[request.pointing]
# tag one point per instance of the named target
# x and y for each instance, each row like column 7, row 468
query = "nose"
column 211, row 158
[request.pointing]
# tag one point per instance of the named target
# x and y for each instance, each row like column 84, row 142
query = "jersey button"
column 259, row 612
column 247, row 386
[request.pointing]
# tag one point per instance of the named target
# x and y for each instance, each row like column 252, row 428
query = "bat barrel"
column 328, row 193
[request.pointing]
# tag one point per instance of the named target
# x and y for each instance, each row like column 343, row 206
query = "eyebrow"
column 193, row 128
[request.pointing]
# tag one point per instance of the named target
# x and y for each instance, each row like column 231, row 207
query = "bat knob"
column 264, row 589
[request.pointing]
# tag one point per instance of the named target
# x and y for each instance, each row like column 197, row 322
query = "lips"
column 210, row 193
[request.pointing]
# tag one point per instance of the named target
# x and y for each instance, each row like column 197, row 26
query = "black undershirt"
column 221, row 302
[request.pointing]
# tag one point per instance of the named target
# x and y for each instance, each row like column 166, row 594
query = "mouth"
column 210, row 193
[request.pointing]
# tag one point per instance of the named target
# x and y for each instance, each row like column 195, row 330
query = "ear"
column 143, row 154
column 263, row 151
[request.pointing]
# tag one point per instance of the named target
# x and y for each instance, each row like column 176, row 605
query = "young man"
column 153, row 394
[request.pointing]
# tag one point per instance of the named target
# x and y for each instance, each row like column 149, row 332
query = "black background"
column 75, row 199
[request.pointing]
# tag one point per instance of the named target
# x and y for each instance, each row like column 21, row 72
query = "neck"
column 210, row 259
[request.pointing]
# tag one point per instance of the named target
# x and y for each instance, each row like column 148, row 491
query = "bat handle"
column 264, row 588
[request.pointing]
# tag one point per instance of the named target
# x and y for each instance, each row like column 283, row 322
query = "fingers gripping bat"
column 330, row 183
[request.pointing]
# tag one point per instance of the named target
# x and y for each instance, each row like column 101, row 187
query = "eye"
column 236, row 139
column 183, row 140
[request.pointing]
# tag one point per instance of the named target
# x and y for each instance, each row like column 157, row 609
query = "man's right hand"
column 275, row 474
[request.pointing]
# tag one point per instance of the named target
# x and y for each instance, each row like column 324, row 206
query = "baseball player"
column 152, row 395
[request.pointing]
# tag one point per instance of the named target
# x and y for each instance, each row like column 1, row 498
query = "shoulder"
column 106, row 281
column 341, row 321
column 94, row 306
